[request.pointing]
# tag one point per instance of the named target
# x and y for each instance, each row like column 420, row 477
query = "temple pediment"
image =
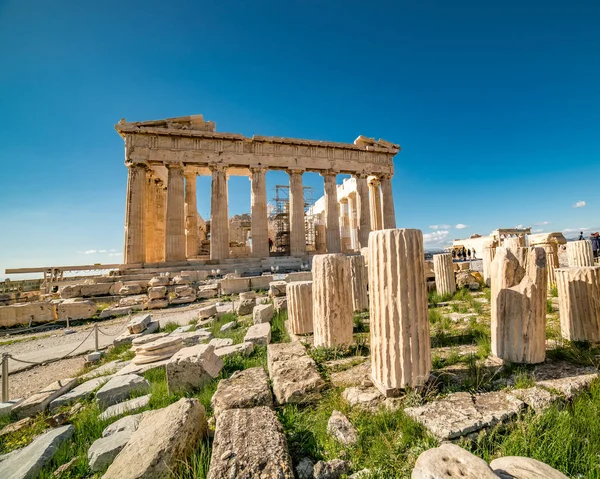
column 191, row 122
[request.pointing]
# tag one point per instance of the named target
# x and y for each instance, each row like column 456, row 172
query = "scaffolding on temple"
column 280, row 218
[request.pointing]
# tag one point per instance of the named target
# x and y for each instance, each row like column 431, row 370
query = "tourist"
column 581, row 236
column 469, row 253
column 270, row 244
column 453, row 254
column 464, row 254
column 595, row 240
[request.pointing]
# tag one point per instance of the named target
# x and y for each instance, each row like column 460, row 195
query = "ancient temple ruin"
column 164, row 157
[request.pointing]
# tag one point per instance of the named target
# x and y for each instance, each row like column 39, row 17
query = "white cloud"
column 440, row 227
column 542, row 223
column 538, row 230
column 575, row 230
column 101, row 251
column 520, row 227
column 115, row 254
column 437, row 238
column 90, row 251
column 460, row 226
column 579, row 204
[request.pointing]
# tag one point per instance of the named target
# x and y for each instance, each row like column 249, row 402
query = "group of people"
column 463, row 254
column 595, row 240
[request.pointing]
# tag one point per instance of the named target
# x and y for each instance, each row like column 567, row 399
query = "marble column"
column 443, row 268
column 175, row 232
column 150, row 207
column 258, row 204
column 375, row 203
column 345, row 241
column 362, row 211
column 135, row 235
column 296, row 211
column 579, row 253
column 219, row 214
column 159, row 219
column 353, row 222
column 191, row 216
column 400, row 341
column 488, row 255
column 387, row 199
column 332, row 214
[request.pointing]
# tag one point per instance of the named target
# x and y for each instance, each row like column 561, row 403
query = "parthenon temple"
column 164, row 158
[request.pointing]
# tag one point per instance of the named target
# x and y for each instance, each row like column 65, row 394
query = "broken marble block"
column 139, row 323
column 192, row 367
column 262, row 313
column 244, row 389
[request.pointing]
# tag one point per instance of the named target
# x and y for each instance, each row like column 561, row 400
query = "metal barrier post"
column 96, row 336
column 5, row 397
column 67, row 322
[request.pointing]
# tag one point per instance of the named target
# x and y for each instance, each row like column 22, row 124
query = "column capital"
column 373, row 181
column 328, row 173
column 343, row 200
column 175, row 166
column 190, row 173
column 258, row 169
column 361, row 176
column 385, row 176
column 295, row 171
column 220, row 167
column 135, row 164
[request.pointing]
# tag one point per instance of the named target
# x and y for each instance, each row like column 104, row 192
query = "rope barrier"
column 113, row 335
column 29, row 329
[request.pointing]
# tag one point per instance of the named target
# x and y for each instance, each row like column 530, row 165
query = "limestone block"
column 183, row 299
column 74, row 309
column 40, row 401
column 181, row 280
column 579, row 302
column 115, row 311
column 244, row 389
column 157, row 292
column 70, row 291
column 277, row 288
column 207, row 311
column 235, row 285
column 579, row 253
column 515, row 467
column 565, row 378
column 293, row 373
column 164, row 439
column 192, row 367
column 228, row 326
column 250, row 443
column 130, row 288
column 488, row 256
column 444, row 274
column 245, row 306
column 128, row 423
column 300, row 307
column 26, row 313
column 400, row 349
column 262, row 313
column 360, row 281
column 28, row 462
column 115, row 288
column 514, row 242
column 157, row 304
column 80, row 392
column 460, row 414
column 535, row 397
column 124, row 407
column 333, row 317
column 183, row 291
column 451, row 461
column 247, row 295
column 95, row 289
column 103, row 451
column 519, row 290
column 299, row 276
column 139, row 323
column 158, row 350
column 192, row 338
column 280, row 303
column 259, row 334
column 260, row 282
column 119, row 388
column 221, row 342
column 244, row 349
column 136, row 302
column 159, row 281
column 429, row 272
column 208, row 291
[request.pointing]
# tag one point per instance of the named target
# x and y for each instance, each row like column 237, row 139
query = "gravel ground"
column 25, row 383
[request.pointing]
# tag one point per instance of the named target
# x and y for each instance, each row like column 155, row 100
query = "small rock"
column 245, row 307
column 342, row 429
column 451, row 461
column 16, row 426
column 515, row 467
column 139, row 323
column 127, row 423
column 94, row 357
column 262, row 313
column 65, row 468
column 192, row 367
column 119, row 388
column 57, row 419
column 228, row 326
column 331, row 469
column 103, row 451
column 259, row 334
column 221, row 342
column 305, row 469
column 126, row 406
column 207, row 312
column 244, row 389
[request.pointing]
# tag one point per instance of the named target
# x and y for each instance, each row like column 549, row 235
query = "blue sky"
column 495, row 104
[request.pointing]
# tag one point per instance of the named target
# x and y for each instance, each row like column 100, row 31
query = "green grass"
column 434, row 298
column 549, row 307
column 22, row 437
column 169, row 327
column 554, row 291
column 23, row 340
column 389, row 442
column 278, row 332
column 566, row 438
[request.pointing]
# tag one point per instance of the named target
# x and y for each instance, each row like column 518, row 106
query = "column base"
column 395, row 392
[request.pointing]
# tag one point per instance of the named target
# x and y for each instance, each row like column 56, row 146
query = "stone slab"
column 244, row 389
column 250, row 443
column 535, row 397
column 293, row 373
column 41, row 400
column 259, row 334
column 142, row 368
column 127, row 423
column 139, row 323
column 119, row 388
column 82, row 391
column 221, row 342
column 207, row 311
column 462, row 413
column 108, row 368
column 103, row 451
column 515, row 467
column 263, row 313
column 131, row 405
column 566, row 378
column 26, row 463
column 115, row 311
column 245, row 349
column 7, row 407
column 192, row 367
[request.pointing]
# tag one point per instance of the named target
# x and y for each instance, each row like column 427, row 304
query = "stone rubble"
column 244, row 389
column 129, row 406
column 259, row 334
column 342, row 429
column 192, row 367
column 119, row 388
column 40, row 401
column 263, row 313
